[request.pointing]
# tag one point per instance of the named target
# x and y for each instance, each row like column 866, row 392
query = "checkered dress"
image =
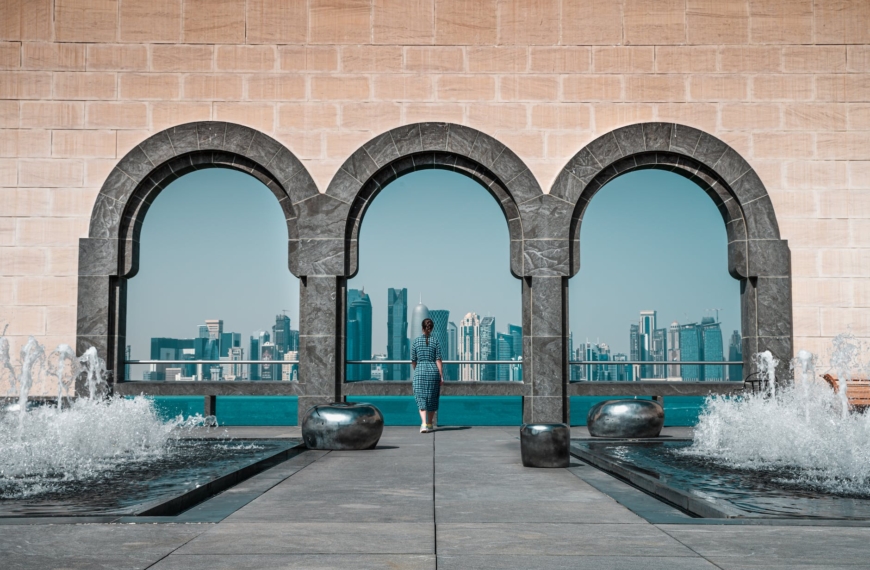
column 427, row 381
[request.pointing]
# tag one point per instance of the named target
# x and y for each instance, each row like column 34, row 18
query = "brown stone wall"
column 786, row 82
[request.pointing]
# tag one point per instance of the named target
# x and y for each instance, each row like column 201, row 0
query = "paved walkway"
column 456, row 499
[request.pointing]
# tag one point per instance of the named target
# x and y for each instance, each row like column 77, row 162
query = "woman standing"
column 428, row 374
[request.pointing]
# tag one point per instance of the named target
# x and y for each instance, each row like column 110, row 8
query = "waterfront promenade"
column 455, row 499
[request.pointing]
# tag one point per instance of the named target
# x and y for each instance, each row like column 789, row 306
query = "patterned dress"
column 427, row 381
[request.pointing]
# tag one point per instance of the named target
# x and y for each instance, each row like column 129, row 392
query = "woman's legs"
column 423, row 416
column 430, row 417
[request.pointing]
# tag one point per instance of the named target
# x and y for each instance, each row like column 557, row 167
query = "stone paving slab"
column 780, row 547
column 314, row 538
column 498, row 562
column 91, row 546
column 298, row 561
column 531, row 511
column 556, row 539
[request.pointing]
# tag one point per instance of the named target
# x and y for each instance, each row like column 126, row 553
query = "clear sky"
column 214, row 245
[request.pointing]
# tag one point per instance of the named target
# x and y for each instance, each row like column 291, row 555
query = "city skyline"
column 222, row 215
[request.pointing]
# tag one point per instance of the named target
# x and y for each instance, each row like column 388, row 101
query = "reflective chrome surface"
column 545, row 445
column 626, row 418
column 342, row 425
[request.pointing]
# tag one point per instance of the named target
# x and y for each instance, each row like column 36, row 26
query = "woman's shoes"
column 424, row 428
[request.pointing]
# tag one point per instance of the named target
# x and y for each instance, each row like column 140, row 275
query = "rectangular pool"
column 712, row 490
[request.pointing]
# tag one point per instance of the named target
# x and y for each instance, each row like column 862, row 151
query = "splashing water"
column 43, row 447
column 802, row 430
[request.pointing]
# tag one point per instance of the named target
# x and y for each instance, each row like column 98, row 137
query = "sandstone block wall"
column 786, row 82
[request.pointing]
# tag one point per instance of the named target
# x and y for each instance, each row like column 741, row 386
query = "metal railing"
column 443, row 361
column 200, row 377
column 660, row 362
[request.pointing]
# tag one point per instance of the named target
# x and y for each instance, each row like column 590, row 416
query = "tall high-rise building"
column 469, row 347
column 418, row 315
column 659, row 352
column 215, row 328
column 488, row 347
column 634, row 349
column 281, row 333
column 234, row 371
column 647, row 328
column 451, row 371
column 127, row 358
column 268, row 371
column 516, row 332
column 735, row 353
column 504, row 351
column 290, row 372
column 359, row 334
column 691, row 349
column 711, row 334
column 203, row 331
column 398, row 347
column 440, row 319
column 229, row 340
column 254, row 352
column 674, row 350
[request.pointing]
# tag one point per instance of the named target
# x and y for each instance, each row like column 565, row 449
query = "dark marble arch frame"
column 757, row 255
column 109, row 255
column 323, row 253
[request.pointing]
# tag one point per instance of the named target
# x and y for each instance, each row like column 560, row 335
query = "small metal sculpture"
column 626, row 419
column 545, row 445
column 342, row 426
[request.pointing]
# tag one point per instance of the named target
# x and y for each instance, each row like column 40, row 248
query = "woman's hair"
column 428, row 325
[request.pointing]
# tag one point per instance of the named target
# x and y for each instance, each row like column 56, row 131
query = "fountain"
column 86, row 453
column 791, row 449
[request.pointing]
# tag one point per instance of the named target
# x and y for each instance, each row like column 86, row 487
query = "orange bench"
column 858, row 391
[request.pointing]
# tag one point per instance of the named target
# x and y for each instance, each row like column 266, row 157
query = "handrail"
column 659, row 362
column 443, row 361
column 211, row 362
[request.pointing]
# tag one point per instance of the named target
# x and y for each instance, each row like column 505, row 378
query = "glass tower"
column 359, row 334
column 441, row 318
column 735, row 352
column 711, row 333
column 398, row 347
column 488, row 347
column 691, row 348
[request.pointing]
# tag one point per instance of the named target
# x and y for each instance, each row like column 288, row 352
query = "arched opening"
column 756, row 255
column 434, row 244
column 654, row 286
column 213, row 283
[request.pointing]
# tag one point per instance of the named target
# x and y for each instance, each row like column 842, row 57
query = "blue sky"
column 214, row 246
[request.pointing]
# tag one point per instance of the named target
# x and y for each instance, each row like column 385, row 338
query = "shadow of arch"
column 757, row 256
column 109, row 255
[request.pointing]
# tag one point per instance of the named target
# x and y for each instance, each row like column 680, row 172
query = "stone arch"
column 338, row 215
column 109, row 255
column 429, row 146
column 757, row 256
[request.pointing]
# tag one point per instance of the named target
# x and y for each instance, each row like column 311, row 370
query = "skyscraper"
column 268, row 371
column 440, row 318
column 711, row 334
column 203, row 331
column 659, row 352
column 691, row 349
column 253, row 369
column 735, row 353
column 281, row 333
column 451, row 371
column 504, row 351
column 215, row 328
column 469, row 347
column 516, row 333
column 418, row 315
column 488, row 347
column 674, row 350
column 634, row 349
column 398, row 347
column 359, row 334
column 647, row 327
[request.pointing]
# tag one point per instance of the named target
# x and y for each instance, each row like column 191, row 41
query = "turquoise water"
column 402, row 410
column 453, row 410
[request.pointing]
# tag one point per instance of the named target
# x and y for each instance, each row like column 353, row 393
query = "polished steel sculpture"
column 626, row 419
column 342, row 425
column 545, row 445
